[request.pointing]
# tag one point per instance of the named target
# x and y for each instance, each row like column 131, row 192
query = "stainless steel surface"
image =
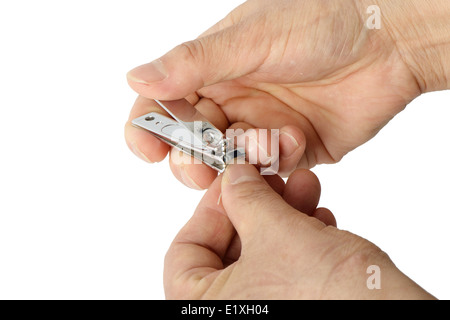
column 191, row 133
column 187, row 115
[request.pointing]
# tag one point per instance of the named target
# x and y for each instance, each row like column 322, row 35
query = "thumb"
column 251, row 204
column 225, row 55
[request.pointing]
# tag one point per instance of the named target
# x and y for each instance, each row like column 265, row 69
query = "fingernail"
column 138, row 152
column 237, row 173
column 291, row 146
column 148, row 73
column 265, row 157
column 187, row 180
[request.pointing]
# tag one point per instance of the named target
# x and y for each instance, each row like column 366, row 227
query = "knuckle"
column 258, row 196
column 353, row 252
column 192, row 50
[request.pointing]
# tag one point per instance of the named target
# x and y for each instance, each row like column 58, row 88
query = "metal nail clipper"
column 190, row 132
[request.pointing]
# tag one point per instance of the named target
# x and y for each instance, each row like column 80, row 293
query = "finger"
column 198, row 176
column 234, row 250
column 247, row 137
column 193, row 98
column 276, row 183
column 292, row 149
column 213, row 113
column 326, row 216
column 275, row 151
column 192, row 172
column 223, row 55
column 251, row 204
column 141, row 142
column 302, row 191
column 199, row 247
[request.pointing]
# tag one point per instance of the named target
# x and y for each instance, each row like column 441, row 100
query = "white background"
column 82, row 218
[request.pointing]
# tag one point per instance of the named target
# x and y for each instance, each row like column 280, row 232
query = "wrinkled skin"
column 309, row 68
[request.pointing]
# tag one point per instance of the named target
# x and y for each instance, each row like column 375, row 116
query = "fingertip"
column 250, row 203
column 302, row 191
column 239, row 173
column 305, row 177
column 194, row 175
column 292, row 148
column 148, row 79
column 144, row 145
column 326, row 216
column 149, row 73
column 171, row 77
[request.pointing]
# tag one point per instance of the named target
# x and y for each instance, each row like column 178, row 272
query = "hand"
column 265, row 243
column 309, row 68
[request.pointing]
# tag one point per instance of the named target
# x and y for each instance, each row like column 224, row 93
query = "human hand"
column 309, row 68
column 267, row 240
